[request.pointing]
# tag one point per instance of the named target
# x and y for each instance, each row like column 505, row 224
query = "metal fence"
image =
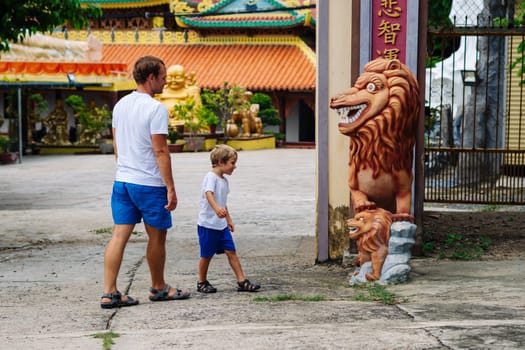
column 474, row 124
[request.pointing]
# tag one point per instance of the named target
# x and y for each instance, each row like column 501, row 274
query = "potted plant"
column 173, row 145
column 208, row 118
column 93, row 121
column 187, row 112
column 6, row 157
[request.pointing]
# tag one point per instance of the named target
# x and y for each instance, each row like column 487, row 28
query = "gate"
column 474, row 122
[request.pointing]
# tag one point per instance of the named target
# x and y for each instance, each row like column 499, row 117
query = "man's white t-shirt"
column 220, row 188
column 136, row 117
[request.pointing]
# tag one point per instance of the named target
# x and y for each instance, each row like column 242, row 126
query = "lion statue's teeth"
column 343, row 111
column 353, row 229
column 351, row 114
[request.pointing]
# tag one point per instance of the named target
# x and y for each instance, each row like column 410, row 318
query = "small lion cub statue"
column 371, row 229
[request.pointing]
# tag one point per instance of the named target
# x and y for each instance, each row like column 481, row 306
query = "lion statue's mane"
column 386, row 141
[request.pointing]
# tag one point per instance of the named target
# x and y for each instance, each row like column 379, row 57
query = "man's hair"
column 145, row 66
column 222, row 153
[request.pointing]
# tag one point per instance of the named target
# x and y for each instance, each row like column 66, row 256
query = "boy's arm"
column 221, row 212
column 229, row 221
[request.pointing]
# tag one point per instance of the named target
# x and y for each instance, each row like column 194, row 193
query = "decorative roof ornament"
column 243, row 13
column 251, row 5
column 181, row 7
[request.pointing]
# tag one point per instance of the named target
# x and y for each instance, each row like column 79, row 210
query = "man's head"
column 145, row 66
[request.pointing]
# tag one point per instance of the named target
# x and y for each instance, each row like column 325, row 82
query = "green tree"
column 439, row 48
column 519, row 62
column 224, row 101
column 267, row 113
column 20, row 18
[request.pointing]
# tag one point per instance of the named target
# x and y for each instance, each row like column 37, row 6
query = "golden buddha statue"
column 179, row 87
column 56, row 125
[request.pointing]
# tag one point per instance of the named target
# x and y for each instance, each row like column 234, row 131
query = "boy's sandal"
column 205, row 287
column 116, row 301
column 163, row 295
column 247, row 286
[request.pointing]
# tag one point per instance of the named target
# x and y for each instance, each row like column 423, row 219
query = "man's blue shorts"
column 130, row 203
column 214, row 242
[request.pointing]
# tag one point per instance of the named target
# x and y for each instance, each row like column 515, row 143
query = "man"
column 144, row 188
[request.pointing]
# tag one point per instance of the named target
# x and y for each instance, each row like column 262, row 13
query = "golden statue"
column 178, row 88
column 56, row 125
column 247, row 117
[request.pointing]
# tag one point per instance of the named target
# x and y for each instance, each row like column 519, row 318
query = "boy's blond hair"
column 222, row 153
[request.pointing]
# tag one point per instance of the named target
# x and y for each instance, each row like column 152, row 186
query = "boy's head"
column 222, row 153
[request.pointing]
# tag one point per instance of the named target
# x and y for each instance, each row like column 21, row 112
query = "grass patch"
column 490, row 207
column 101, row 231
column 107, row 339
column 109, row 230
column 428, row 247
column 287, row 297
column 374, row 292
column 457, row 247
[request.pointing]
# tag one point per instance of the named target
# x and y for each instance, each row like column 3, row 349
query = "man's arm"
column 115, row 143
column 162, row 154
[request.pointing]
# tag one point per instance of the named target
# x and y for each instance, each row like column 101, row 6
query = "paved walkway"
column 54, row 223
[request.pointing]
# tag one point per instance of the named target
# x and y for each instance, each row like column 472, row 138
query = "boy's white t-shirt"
column 136, row 117
column 220, row 188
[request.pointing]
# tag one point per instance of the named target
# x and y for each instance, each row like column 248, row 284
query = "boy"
column 214, row 224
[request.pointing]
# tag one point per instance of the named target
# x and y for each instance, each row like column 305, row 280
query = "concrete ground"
column 55, row 221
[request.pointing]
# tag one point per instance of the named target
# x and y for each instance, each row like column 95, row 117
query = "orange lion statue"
column 371, row 229
column 380, row 114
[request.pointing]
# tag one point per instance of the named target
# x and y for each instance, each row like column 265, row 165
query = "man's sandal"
column 116, row 301
column 247, row 286
column 163, row 295
column 205, row 287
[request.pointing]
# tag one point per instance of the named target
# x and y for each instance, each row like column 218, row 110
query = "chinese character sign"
column 389, row 29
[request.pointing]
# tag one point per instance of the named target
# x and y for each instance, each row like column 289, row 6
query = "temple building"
column 265, row 46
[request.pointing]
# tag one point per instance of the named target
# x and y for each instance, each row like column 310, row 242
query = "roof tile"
column 257, row 67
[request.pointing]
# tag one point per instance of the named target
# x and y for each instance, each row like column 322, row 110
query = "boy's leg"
column 113, row 258
column 156, row 257
column 235, row 264
column 204, row 264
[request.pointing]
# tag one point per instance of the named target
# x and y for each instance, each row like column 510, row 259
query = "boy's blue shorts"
column 214, row 241
column 130, row 203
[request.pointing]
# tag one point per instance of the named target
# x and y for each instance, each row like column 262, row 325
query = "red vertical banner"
column 389, row 29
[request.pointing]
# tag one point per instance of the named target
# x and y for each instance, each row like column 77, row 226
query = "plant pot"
column 8, row 157
column 176, row 147
column 194, row 143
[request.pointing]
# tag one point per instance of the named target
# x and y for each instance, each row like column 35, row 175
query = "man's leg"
column 156, row 256
column 113, row 258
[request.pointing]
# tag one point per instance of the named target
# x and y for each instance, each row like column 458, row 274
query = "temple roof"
column 125, row 4
column 262, row 64
column 257, row 67
column 229, row 13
